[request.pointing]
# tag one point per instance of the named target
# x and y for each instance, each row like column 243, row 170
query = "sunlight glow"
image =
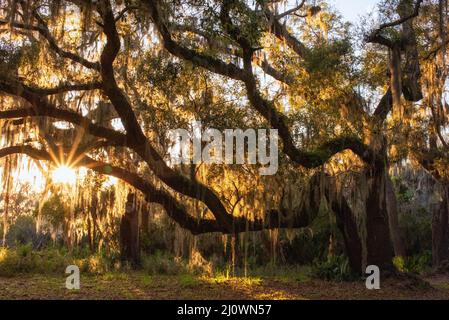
column 64, row 174
column 110, row 181
column 27, row 172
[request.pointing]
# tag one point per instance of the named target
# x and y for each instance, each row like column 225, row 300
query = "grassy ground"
column 138, row 285
column 28, row 274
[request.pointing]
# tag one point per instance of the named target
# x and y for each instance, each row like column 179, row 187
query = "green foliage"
column 188, row 280
column 53, row 211
column 335, row 268
column 22, row 232
column 97, row 263
column 248, row 23
column 155, row 240
column 417, row 231
column 375, row 69
column 403, row 194
column 419, row 263
column 312, row 244
column 307, row 246
column 9, row 58
column 23, row 259
column 326, row 58
column 160, row 72
column 162, row 263
column 399, row 263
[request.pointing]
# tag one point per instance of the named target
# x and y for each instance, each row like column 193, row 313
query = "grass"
column 285, row 273
column 223, row 278
column 23, row 259
column 146, row 279
column 188, row 280
column 28, row 274
column 139, row 285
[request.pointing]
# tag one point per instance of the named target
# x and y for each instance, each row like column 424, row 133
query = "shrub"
column 23, row 231
column 98, row 264
column 161, row 263
column 188, row 280
column 419, row 263
column 399, row 263
column 335, row 268
column 23, row 259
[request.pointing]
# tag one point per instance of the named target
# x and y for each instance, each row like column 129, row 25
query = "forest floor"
column 137, row 285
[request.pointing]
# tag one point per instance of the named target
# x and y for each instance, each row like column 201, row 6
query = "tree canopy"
column 100, row 84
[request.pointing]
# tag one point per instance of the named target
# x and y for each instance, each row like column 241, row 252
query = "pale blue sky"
column 352, row 9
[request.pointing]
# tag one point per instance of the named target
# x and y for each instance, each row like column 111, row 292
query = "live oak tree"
column 428, row 121
column 157, row 65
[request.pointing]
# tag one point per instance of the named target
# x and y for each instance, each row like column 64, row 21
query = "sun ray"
column 74, row 148
column 64, row 175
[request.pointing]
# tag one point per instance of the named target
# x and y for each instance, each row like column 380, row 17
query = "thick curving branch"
column 176, row 181
column 291, row 11
column 173, row 208
column 110, row 86
column 40, row 107
column 405, row 80
column 281, row 32
column 66, row 88
column 210, row 63
column 281, row 76
column 428, row 159
column 385, row 106
column 275, row 218
column 277, row 120
column 376, row 37
column 404, row 18
column 140, row 143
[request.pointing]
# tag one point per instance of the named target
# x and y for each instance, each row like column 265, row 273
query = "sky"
column 352, row 9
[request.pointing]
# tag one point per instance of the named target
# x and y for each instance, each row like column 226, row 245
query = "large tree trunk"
column 440, row 230
column 378, row 244
column 411, row 86
column 348, row 226
column 377, row 249
column 129, row 233
column 395, row 231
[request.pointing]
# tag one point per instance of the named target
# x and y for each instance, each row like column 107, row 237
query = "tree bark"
column 129, row 233
column 378, row 249
column 378, row 244
column 395, row 231
column 145, row 220
column 411, row 86
column 348, row 227
column 440, row 230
